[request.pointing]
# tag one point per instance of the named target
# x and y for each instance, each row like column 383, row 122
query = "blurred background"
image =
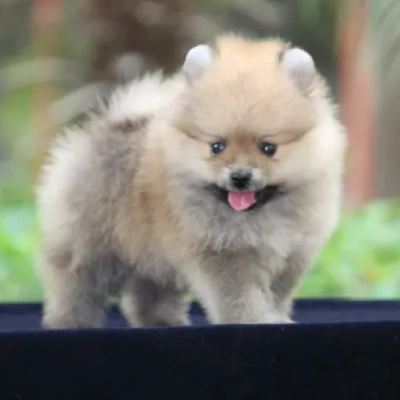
column 57, row 56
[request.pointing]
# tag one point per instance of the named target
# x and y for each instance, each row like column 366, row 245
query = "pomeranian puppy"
column 224, row 180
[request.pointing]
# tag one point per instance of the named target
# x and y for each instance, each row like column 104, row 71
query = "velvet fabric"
column 337, row 350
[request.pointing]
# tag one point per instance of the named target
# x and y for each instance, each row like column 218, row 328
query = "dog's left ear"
column 197, row 60
column 300, row 67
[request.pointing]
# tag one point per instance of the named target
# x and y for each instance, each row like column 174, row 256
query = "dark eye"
column 217, row 147
column 268, row 148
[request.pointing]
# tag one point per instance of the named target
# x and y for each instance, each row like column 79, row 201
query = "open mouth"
column 247, row 200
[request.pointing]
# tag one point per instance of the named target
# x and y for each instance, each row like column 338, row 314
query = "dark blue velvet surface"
column 338, row 350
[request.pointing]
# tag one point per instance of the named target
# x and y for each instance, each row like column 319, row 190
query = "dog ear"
column 300, row 67
column 197, row 60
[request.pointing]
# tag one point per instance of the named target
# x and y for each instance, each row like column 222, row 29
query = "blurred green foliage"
column 16, row 120
column 19, row 241
column 362, row 258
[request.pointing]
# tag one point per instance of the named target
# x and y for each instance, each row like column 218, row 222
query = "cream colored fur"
column 127, row 203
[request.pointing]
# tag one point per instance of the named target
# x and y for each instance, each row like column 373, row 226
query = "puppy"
column 224, row 180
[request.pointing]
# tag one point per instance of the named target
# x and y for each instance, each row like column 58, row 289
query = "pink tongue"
column 241, row 201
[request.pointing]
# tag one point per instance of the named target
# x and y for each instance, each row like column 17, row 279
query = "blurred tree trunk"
column 387, row 138
column 387, row 142
column 356, row 100
column 154, row 29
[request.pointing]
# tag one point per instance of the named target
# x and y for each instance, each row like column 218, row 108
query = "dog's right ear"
column 197, row 60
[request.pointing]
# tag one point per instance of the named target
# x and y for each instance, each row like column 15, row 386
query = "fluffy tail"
column 143, row 98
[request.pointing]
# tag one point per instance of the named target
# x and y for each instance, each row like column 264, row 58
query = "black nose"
column 241, row 179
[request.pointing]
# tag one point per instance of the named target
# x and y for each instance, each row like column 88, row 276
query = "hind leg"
column 73, row 298
column 146, row 303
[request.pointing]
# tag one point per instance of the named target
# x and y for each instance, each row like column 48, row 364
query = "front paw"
column 278, row 319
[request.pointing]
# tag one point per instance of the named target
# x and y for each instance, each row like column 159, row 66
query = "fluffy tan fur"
column 128, row 204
